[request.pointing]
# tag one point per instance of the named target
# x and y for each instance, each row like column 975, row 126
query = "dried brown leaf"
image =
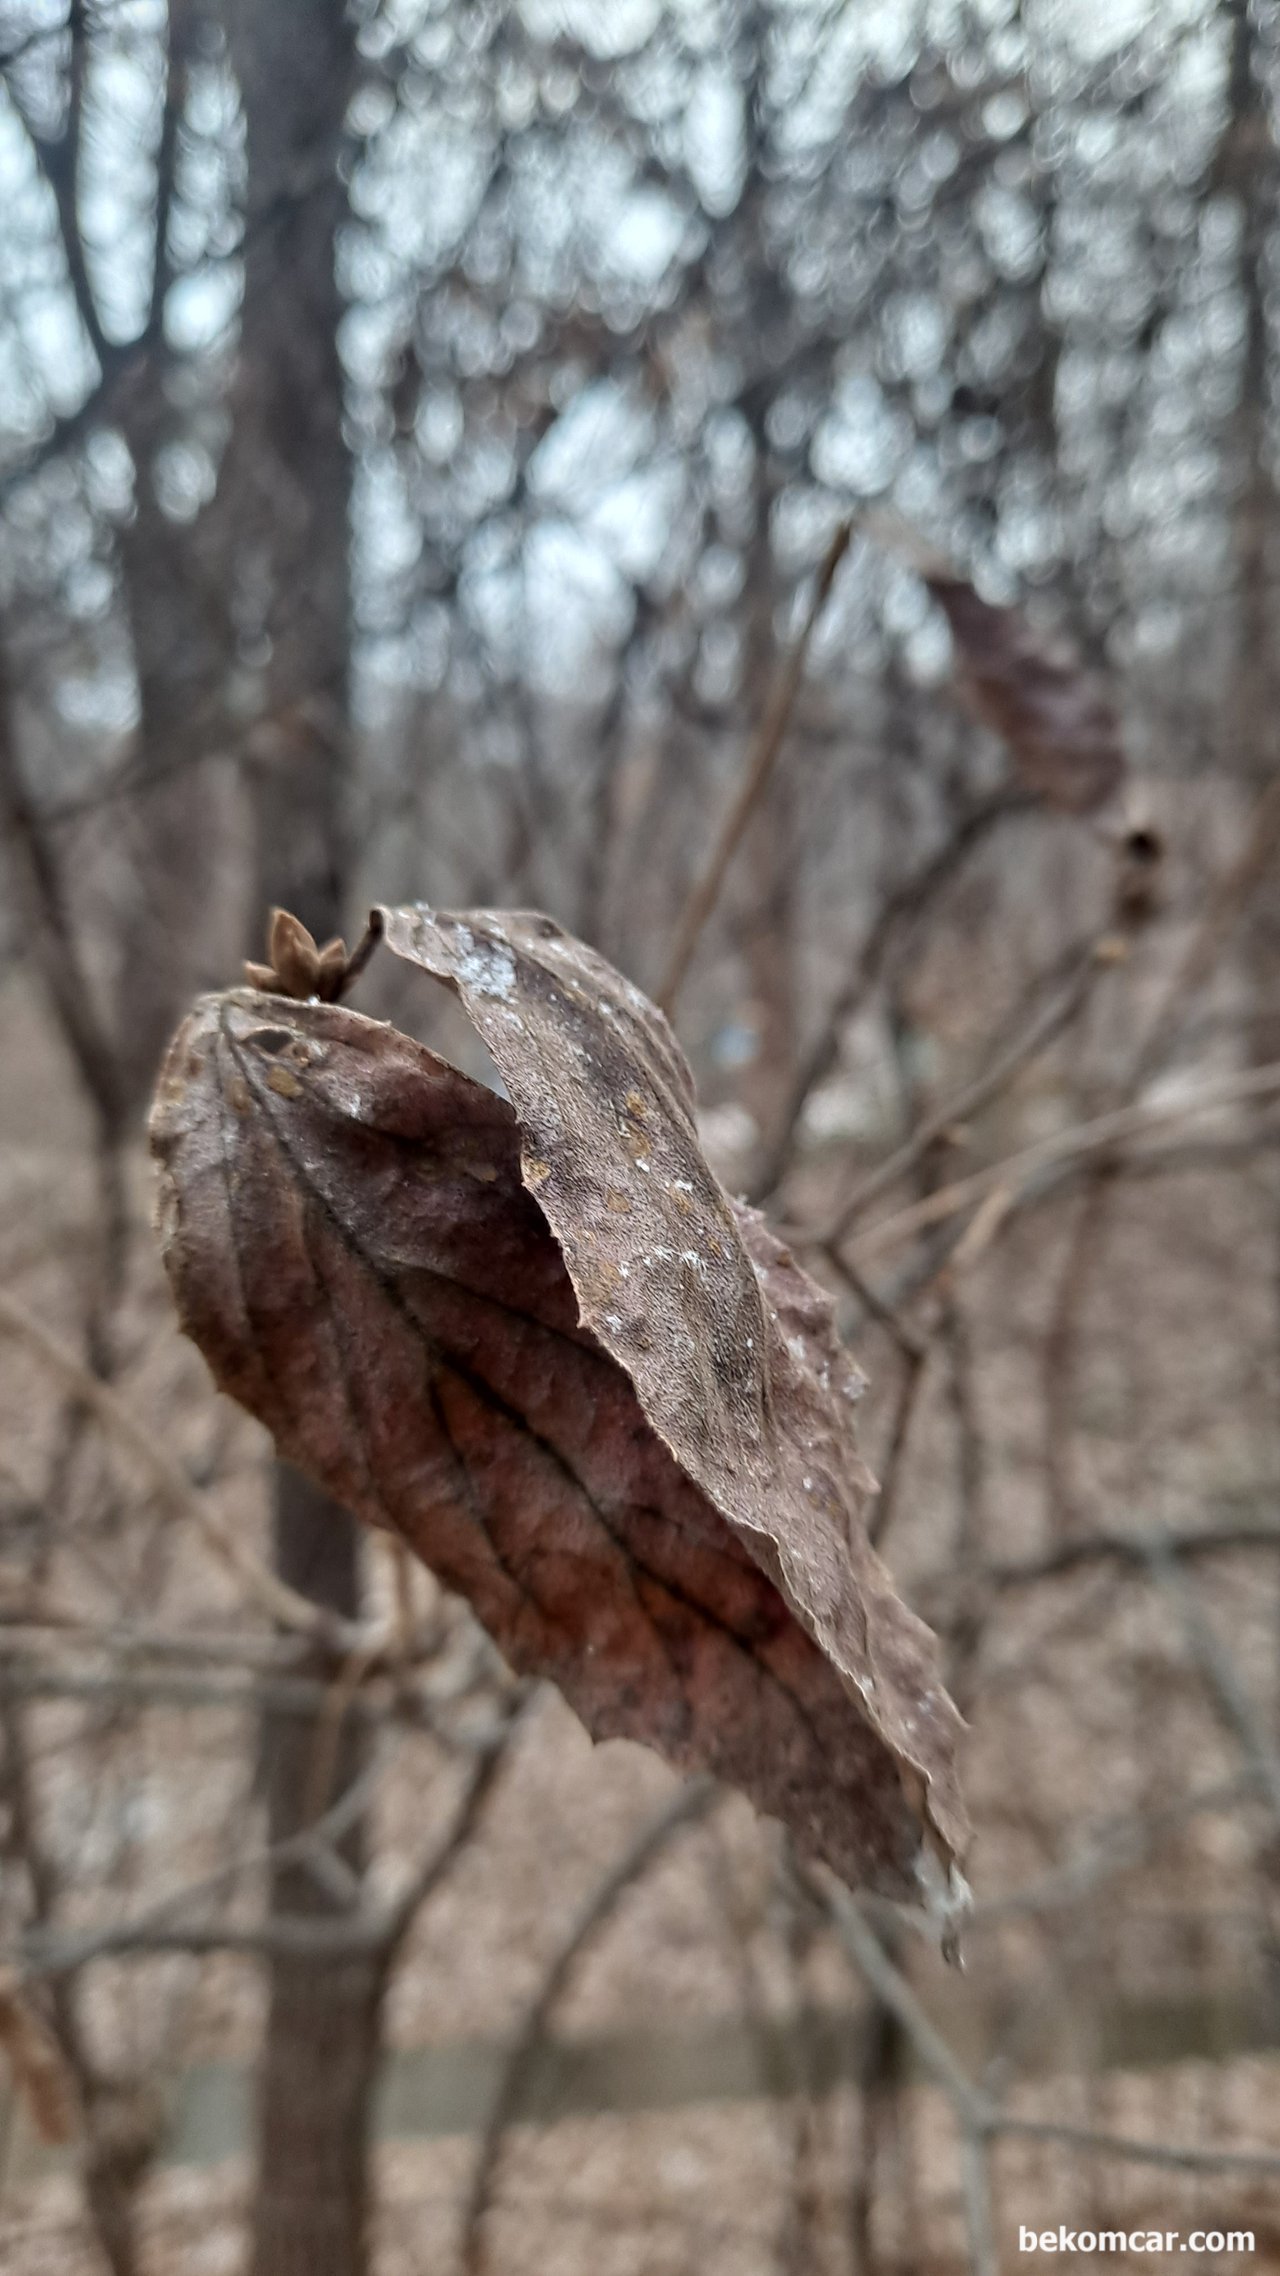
column 1055, row 715
column 538, row 1341
column 40, row 2073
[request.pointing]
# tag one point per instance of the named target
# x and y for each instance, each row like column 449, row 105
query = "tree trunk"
column 289, row 483
column 1246, row 169
column 290, row 476
column 175, row 930
column 768, row 912
column 173, row 934
column 323, row 2026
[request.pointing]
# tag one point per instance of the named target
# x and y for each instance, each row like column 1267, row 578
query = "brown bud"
column 294, row 956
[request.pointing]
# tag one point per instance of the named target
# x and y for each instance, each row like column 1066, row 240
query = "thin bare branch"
column 760, row 763
column 904, row 907
column 979, row 2117
column 364, row 1929
column 690, row 1804
column 1084, row 1141
column 1222, row 1677
column 172, row 1488
column 1044, row 1029
column 973, row 2113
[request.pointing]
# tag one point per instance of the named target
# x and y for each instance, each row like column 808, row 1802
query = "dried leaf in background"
column 538, row 1341
column 1053, row 712
column 39, row 2071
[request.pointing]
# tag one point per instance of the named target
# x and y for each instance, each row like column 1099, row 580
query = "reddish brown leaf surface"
column 538, row 1341
column 1053, row 712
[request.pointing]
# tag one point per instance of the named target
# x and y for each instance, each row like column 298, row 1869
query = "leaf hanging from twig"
column 40, row 2072
column 538, row 1341
column 1055, row 715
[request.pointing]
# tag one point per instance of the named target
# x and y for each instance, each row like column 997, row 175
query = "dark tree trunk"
column 323, row 2026
column 174, row 937
column 1246, row 169
column 175, row 930
column 290, row 476
column 288, row 479
column 768, row 916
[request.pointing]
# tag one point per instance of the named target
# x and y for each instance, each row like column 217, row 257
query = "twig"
column 374, row 1930
column 395, row 1706
column 972, row 1497
column 1035, row 1038
column 1084, row 1139
column 60, row 962
column 973, row 2112
column 909, row 1343
column 1175, row 2157
column 915, row 1350
column 1118, row 1845
column 400, row 1911
column 116, row 1419
column 911, row 1385
column 35, row 1629
column 905, row 905
column 113, row 2160
column 1122, row 1548
column 1226, row 903
column 893, row 1991
column 334, row 1709
column 70, row 1950
column 1085, row 1247
column 58, row 158
column 690, row 1804
column 981, row 2119
column 951, row 1245
column 759, row 767
column 286, row 1694
column 1222, row 1677
column 363, row 950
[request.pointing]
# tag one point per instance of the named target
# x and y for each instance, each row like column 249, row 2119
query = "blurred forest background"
column 421, row 427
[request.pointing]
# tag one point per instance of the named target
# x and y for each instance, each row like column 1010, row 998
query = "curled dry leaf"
column 40, row 2073
column 539, row 1342
column 1035, row 692
column 1055, row 715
